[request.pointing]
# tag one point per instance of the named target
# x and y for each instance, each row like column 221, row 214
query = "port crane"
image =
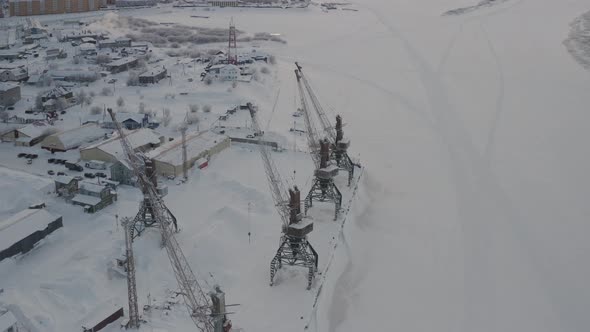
column 198, row 304
column 334, row 134
column 294, row 248
column 323, row 188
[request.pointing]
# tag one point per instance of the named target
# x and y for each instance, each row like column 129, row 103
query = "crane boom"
column 196, row 301
column 312, row 137
column 326, row 125
column 272, row 174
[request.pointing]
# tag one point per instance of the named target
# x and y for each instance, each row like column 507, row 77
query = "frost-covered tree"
column 120, row 101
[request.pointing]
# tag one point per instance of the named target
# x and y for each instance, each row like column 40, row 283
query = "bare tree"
column 194, row 108
column 102, row 58
column 81, row 97
column 264, row 70
column 120, row 101
column 133, row 79
column 60, row 104
column 141, row 107
column 234, row 84
column 272, row 60
column 39, row 101
column 166, row 117
column 208, row 80
column 4, row 116
column 207, row 108
column 106, row 91
column 192, row 118
column 94, row 110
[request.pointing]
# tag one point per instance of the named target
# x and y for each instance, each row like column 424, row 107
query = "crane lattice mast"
column 197, row 303
column 294, row 249
column 130, row 267
column 334, row 134
column 323, row 188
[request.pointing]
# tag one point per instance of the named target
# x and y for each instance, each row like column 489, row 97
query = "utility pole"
column 184, row 158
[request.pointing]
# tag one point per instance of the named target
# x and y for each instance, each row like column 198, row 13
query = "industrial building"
column 121, row 65
column 122, row 173
column 17, row 74
column 73, row 138
column 31, row 134
column 153, row 75
column 42, row 7
column 114, row 43
column 9, row 94
column 110, row 150
column 168, row 157
column 20, row 232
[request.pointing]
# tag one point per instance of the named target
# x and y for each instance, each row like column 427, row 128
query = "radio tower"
column 130, row 266
column 232, row 51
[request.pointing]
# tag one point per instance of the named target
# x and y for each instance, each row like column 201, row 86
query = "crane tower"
column 294, row 248
column 199, row 306
column 335, row 134
column 323, row 188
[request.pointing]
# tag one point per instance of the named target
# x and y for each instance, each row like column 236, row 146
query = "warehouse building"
column 110, row 150
column 22, row 231
column 9, row 94
column 153, row 75
column 31, row 134
column 42, row 7
column 168, row 157
column 121, row 65
column 73, row 138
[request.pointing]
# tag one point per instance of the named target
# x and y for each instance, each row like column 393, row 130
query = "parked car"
column 60, row 161
column 96, row 164
column 50, row 172
column 22, row 155
column 34, row 156
column 61, row 173
column 100, row 174
column 89, row 175
column 250, row 136
column 51, row 160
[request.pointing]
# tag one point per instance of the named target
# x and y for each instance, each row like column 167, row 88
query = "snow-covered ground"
column 471, row 212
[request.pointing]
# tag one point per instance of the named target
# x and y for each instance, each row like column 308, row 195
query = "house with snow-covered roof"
column 94, row 196
column 129, row 120
column 31, row 134
column 73, row 138
column 22, row 231
column 9, row 94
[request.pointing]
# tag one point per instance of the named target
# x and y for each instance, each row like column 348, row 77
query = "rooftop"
column 33, row 130
column 22, row 224
column 196, row 143
column 7, row 86
column 121, row 62
column 86, row 200
column 91, row 186
column 64, row 179
column 136, row 138
column 77, row 136
column 7, row 320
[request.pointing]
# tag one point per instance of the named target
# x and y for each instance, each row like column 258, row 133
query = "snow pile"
column 578, row 41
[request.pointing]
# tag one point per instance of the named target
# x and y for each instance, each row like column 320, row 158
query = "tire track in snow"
column 491, row 141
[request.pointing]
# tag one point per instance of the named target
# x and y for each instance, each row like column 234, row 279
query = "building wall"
column 10, row 96
column 53, row 142
column 122, row 174
column 165, row 168
column 26, row 244
column 40, row 7
column 96, row 154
